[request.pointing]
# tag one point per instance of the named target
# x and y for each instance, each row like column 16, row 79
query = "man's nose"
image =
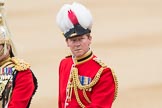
column 77, row 42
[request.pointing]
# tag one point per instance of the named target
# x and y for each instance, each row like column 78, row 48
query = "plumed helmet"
column 74, row 20
column 5, row 35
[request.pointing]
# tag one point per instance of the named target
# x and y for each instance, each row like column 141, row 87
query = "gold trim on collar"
column 83, row 58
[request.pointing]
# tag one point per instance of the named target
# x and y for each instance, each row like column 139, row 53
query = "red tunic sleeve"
column 64, row 72
column 22, row 92
column 103, row 92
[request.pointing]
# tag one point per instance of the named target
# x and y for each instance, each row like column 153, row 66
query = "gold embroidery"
column 75, row 82
column 20, row 65
column 114, row 76
column 116, row 85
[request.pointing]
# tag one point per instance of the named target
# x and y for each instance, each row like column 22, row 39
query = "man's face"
column 79, row 45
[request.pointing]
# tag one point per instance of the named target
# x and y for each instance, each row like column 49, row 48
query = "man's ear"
column 67, row 42
column 90, row 39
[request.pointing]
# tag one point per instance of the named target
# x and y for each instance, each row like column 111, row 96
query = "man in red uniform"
column 17, row 82
column 84, row 80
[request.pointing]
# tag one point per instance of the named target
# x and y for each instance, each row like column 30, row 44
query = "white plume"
column 62, row 19
column 83, row 15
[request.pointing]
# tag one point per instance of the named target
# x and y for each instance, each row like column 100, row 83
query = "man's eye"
column 73, row 40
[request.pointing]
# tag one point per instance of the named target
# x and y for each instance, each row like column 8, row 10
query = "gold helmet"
column 5, row 35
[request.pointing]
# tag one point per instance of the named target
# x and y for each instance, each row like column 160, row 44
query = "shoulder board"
column 20, row 65
column 100, row 62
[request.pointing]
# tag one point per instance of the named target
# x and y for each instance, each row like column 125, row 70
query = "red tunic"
column 23, row 90
column 102, row 94
column 21, row 83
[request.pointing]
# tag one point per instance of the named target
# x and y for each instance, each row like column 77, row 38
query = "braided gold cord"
column 77, row 84
column 94, row 81
column 75, row 89
column 114, row 76
column 85, row 96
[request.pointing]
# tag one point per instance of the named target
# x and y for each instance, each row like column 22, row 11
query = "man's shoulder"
column 108, row 70
column 99, row 62
column 68, row 56
column 66, row 60
column 20, row 64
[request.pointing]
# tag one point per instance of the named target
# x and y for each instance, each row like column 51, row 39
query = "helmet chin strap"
column 5, row 48
column 2, row 51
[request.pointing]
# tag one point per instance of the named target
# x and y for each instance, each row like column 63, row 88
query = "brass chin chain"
column 78, row 85
column 2, row 51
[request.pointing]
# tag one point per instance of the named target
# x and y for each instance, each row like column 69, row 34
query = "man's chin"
column 78, row 55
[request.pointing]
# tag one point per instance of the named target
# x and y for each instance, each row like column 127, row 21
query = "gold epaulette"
column 113, row 73
column 100, row 62
column 20, row 65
